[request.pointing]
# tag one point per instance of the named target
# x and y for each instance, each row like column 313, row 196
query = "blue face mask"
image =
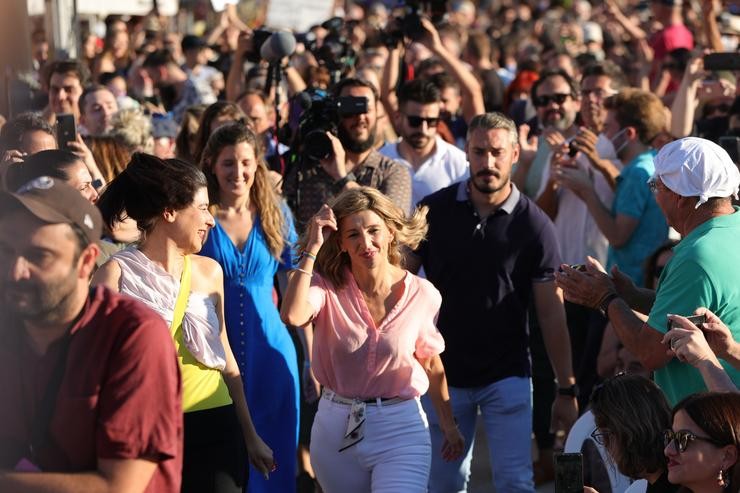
column 618, row 147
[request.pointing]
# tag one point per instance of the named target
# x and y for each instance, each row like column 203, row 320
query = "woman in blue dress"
column 252, row 240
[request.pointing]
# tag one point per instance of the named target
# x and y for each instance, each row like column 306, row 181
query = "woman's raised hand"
column 319, row 229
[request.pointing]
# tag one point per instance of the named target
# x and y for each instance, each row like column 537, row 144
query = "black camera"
column 321, row 114
column 409, row 24
column 335, row 52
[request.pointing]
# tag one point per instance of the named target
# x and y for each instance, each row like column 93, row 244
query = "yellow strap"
column 182, row 297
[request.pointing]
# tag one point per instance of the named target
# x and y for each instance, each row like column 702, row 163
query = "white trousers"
column 394, row 456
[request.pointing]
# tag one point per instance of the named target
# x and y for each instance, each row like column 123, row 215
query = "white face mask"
column 618, row 147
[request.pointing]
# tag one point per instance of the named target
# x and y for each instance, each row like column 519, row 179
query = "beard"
column 357, row 146
column 558, row 119
column 489, row 188
column 418, row 140
column 34, row 301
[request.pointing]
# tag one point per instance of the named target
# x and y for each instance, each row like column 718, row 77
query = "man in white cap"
column 694, row 182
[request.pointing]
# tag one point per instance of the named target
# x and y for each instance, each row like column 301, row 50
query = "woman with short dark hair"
column 169, row 201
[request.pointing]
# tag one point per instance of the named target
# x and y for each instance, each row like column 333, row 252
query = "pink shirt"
column 355, row 359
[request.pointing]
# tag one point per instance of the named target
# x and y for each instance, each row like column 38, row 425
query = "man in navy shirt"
column 490, row 251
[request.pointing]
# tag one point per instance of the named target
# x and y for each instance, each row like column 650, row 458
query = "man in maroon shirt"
column 90, row 388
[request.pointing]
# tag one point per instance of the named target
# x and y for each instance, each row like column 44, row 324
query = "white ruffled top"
column 149, row 283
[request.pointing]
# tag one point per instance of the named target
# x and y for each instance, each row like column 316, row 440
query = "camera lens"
column 317, row 145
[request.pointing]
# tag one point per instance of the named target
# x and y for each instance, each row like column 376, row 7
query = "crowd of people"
column 322, row 268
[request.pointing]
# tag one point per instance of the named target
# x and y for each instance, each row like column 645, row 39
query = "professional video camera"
column 336, row 52
column 321, row 114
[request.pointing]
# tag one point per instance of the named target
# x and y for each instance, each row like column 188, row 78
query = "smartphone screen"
column 569, row 473
column 66, row 131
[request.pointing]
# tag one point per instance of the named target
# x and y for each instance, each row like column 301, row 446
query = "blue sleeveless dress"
column 262, row 347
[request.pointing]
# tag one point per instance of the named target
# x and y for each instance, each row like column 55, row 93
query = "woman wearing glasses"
column 703, row 445
column 631, row 415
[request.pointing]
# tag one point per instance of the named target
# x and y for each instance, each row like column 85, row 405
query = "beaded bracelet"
column 303, row 271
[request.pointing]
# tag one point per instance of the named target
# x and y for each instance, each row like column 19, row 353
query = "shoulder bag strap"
column 182, row 297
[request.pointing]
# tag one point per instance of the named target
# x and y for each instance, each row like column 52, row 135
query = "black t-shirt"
column 484, row 268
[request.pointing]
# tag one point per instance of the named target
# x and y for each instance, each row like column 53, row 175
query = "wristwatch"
column 572, row 391
column 342, row 182
column 604, row 304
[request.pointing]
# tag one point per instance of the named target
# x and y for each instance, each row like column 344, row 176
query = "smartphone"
column 572, row 149
column 694, row 319
column 722, row 61
column 569, row 473
column 578, row 267
column 66, row 131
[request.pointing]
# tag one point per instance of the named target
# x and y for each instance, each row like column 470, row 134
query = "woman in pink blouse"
column 376, row 348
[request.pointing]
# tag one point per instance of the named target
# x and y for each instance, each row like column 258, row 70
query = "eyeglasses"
column 682, row 438
column 600, row 436
column 416, row 121
column 544, row 100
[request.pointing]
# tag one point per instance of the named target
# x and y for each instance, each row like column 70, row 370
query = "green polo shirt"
column 704, row 271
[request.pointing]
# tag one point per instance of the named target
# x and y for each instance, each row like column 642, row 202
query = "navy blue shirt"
column 484, row 268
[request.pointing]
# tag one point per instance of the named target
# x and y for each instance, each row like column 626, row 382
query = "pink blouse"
column 356, row 359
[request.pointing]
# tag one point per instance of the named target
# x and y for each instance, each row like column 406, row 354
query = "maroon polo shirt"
column 120, row 397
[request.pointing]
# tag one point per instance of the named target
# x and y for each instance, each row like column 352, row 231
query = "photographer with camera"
column 349, row 157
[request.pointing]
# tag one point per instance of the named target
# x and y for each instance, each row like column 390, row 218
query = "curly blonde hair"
column 133, row 129
column 407, row 231
column 262, row 194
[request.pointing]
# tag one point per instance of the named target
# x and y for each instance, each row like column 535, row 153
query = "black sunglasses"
column 541, row 101
column 416, row 121
column 682, row 438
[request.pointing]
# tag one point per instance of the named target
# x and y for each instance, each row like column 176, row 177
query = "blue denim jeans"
column 506, row 409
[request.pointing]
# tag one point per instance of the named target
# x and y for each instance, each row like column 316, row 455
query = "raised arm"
column 470, row 88
column 296, row 310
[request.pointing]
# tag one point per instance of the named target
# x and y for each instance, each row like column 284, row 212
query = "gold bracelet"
column 303, row 271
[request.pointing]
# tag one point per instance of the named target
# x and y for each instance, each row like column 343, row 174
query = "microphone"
column 277, row 46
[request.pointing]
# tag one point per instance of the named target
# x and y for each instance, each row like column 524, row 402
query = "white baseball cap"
column 694, row 167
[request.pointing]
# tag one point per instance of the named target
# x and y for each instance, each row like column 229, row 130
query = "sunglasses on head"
column 416, row 121
column 544, row 100
column 682, row 438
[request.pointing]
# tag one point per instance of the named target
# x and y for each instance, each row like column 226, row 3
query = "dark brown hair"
column 718, row 415
column 634, row 413
column 218, row 109
column 147, row 187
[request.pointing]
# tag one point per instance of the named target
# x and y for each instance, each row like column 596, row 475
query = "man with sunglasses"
column 433, row 163
column 555, row 96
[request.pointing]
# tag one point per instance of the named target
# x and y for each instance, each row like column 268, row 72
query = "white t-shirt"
column 446, row 166
column 576, row 230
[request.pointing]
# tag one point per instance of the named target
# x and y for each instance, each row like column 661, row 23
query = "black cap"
column 191, row 42
column 54, row 202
